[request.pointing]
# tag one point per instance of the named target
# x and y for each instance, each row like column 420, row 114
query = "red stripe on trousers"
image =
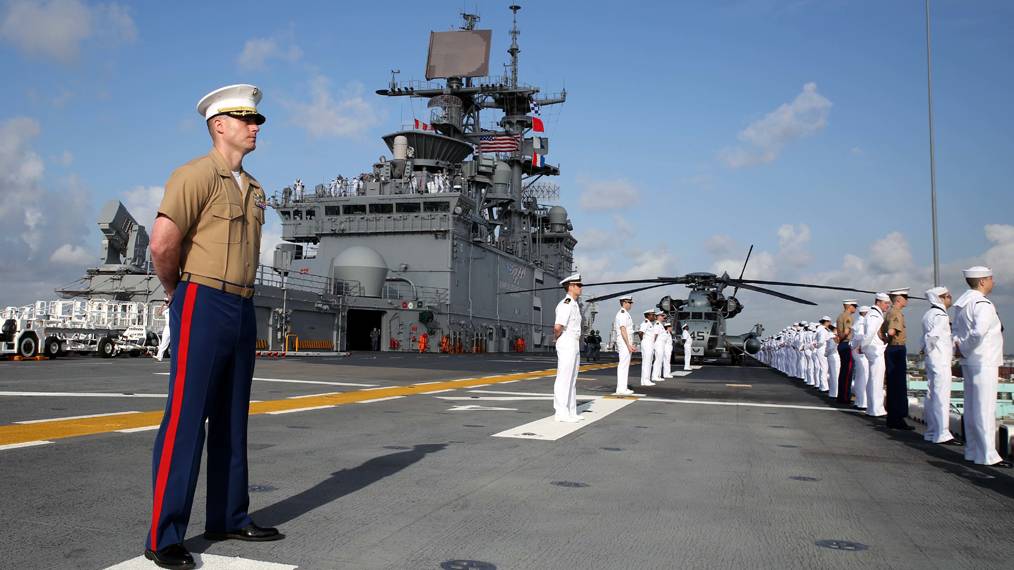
column 169, row 441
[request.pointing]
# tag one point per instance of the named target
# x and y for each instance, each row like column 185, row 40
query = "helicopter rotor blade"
column 629, row 282
column 628, row 291
column 808, row 285
column 742, row 271
column 775, row 294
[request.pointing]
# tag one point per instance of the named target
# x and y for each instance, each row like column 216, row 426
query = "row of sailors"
column 859, row 355
column 656, row 345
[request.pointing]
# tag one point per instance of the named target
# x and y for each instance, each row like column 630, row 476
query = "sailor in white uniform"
column 659, row 328
column 978, row 338
column 688, row 343
column 647, row 331
column 623, row 332
column 833, row 361
column 820, row 353
column 938, row 347
column 567, row 330
column 667, row 351
column 873, row 348
column 862, row 366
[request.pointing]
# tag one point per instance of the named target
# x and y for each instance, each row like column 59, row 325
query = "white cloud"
column 720, row 245
column 271, row 235
column 1000, row 256
column 66, row 158
column 761, row 266
column 607, row 194
column 142, row 202
column 792, row 244
column 55, row 29
column 890, row 254
column 765, row 138
column 258, row 52
column 72, row 255
column 326, row 115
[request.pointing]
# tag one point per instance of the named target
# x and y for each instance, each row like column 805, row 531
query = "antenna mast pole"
column 514, row 50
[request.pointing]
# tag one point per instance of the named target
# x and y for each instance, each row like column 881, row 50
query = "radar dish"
column 462, row 53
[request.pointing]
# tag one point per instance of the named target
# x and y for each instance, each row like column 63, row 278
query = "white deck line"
column 753, row 405
column 312, row 395
column 548, row 429
column 280, row 412
column 75, row 417
column 208, row 562
column 438, row 391
column 137, row 429
column 23, row 444
column 380, row 399
column 83, row 395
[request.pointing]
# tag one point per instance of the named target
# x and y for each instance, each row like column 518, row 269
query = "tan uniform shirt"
column 844, row 325
column 895, row 319
column 220, row 222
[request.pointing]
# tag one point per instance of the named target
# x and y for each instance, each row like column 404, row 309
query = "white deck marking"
column 430, row 382
column 680, row 373
column 480, row 385
column 381, row 399
column 280, row 412
column 208, row 562
column 505, row 393
column 739, row 385
column 496, row 398
column 375, row 388
column 438, row 391
column 137, row 429
column 289, row 381
column 23, row 444
column 753, row 405
column 312, row 395
column 75, row 417
column 474, row 408
column 84, row 394
column 548, row 429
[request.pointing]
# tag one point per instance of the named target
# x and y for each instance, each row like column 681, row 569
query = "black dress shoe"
column 1003, row 465
column 252, row 533
column 900, row 425
column 952, row 442
column 173, row 556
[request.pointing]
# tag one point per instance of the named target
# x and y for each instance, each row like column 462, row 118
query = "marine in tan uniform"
column 896, row 354
column 205, row 245
column 844, row 327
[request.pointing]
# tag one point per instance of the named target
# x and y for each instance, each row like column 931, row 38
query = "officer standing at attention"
column 873, row 349
column 659, row 328
column 205, row 245
column 939, row 350
column 623, row 326
column 978, row 337
column 667, row 351
column 895, row 358
column 861, row 365
column 567, row 331
column 688, row 343
column 844, row 326
column 647, row 331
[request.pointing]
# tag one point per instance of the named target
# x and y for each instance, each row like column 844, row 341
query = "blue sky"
column 692, row 129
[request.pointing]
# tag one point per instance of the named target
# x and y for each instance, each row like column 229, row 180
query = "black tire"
column 51, row 348
column 106, row 347
column 28, row 345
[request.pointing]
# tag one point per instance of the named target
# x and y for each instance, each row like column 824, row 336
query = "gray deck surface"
column 407, row 484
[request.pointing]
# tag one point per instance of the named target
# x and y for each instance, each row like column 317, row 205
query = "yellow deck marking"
column 61, row 429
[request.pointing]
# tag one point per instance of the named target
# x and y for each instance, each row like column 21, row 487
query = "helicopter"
column 707, row 308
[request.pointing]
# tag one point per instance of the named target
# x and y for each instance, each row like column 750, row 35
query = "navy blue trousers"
column 845, row 373
column 896, row 380
column 214, row 336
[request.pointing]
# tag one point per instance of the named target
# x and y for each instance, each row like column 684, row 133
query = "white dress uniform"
column 873, row 349
column 688, row 343
column 833, row 364
column 861, row 366
column 939, row 350
column 647, row 351
column 820, row 353
column 568, row 357
column 667, row 354
column 978, row 335
column 623, row 370
column 659, row 350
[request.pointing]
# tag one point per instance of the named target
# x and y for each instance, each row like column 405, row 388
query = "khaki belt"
column 244, row 291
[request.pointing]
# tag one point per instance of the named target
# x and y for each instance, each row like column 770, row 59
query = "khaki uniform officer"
column 895, row 359
column 205, row 245
column 844, row 327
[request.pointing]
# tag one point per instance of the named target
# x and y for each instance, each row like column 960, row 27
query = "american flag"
column 499, row 143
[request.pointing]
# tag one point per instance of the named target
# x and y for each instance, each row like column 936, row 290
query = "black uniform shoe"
column 173, row 556
column 953, row 442
column 1003, row 465
column 900, row 425
column 252, row 533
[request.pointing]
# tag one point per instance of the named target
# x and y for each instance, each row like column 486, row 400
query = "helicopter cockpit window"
column 696, row 316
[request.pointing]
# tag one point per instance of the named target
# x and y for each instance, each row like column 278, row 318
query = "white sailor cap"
column 649, row 311
column 667, row 324
column 234, row 100
column 977, row 271
column 850, row 302
column 883, row 297
column 864, row 309
column 899, row 291
column 659, row 312
column 937, row 291
column 627, row 298
column 575, row 278
column 825, row 318
column 834, row 325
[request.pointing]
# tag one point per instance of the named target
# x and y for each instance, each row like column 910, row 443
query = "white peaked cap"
column 659, row 312
column 900, row 291
column 864, row 309
column 978, row 271
column 627, row 298
column 883, row 297
column 850, row 302
column 575, row 278
column 825, row 318
column 236, row 100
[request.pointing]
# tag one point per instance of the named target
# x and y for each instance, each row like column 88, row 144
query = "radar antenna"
column 514, row 50
column 470, row 20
